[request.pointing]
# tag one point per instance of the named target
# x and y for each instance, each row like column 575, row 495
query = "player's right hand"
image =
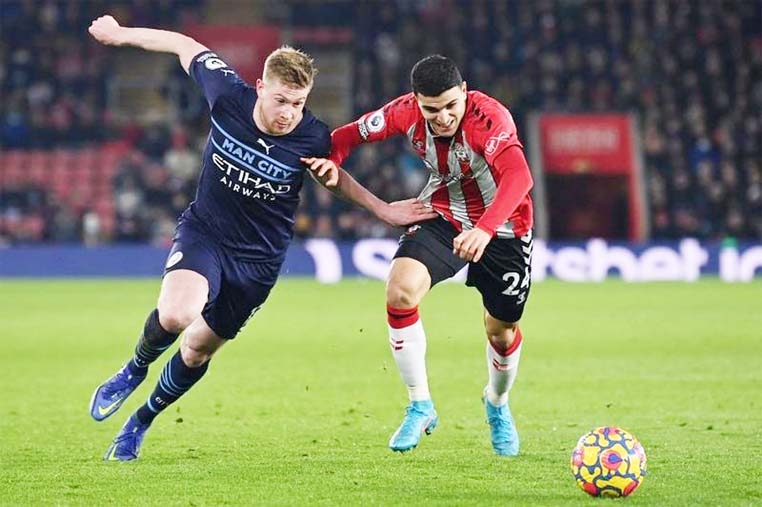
column 105, row 30
column 470, row 245
column 324, row 169
column 407, row 212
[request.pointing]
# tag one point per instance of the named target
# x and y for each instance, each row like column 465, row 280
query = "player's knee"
column 175, row 318
column 401, row 296
column 194, row 356
column 500, row 333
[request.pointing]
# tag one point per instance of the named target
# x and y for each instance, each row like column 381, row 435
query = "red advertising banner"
column 586, row 143
column 593, row 183
column 242, row 47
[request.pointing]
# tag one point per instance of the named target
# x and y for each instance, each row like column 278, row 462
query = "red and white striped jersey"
column 462, row 177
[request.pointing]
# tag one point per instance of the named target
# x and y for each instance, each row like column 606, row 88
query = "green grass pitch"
column 299, row 408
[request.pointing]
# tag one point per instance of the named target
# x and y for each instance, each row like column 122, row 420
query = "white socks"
column 502, row 370
column 408, row 342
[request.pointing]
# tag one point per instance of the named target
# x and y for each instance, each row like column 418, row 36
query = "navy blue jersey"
column 248, row 190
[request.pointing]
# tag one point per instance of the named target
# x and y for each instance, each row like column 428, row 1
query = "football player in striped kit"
column 478, row 185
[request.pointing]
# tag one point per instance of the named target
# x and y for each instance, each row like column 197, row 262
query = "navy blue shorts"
column 237, row 288
column 502, row 276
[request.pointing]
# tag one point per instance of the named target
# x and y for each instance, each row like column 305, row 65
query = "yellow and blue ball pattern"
column 608, row 461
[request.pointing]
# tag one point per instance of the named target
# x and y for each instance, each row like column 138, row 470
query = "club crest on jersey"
column 493, row 142
column 460, row 152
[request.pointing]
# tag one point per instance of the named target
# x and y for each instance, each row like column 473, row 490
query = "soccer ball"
column 609, row 462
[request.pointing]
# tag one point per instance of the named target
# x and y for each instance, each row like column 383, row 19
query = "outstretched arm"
column 107, row 30
column 398, row 213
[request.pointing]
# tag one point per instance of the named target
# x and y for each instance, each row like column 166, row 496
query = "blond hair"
column 290, row 66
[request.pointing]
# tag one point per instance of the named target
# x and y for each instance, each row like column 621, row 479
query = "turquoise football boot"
column 420, row 418
column 502, row 430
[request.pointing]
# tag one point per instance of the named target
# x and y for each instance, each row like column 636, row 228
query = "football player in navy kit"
column 231, row 241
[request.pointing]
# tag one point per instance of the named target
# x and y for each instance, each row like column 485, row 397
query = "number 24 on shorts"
column 517, row 284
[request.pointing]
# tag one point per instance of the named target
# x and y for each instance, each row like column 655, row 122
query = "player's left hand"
column 470, row 245
column 324, row 169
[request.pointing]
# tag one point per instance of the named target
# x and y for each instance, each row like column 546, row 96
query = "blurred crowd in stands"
column 691, row 71
column 69, row 171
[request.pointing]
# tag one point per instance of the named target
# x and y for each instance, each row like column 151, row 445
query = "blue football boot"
column 502, row 430
column 110, row 395
column 126, row 444
column 420, row 418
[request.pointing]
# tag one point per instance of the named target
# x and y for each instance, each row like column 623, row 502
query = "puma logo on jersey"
column 266, row 146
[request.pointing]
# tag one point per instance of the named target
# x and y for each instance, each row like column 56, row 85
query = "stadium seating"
column 689, row 70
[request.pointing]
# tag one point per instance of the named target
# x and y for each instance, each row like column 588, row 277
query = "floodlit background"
column 101, row 145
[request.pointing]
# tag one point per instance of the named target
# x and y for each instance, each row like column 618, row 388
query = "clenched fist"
column 105, row 30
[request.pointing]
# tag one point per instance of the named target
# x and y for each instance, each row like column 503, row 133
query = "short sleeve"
column 214, row 76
